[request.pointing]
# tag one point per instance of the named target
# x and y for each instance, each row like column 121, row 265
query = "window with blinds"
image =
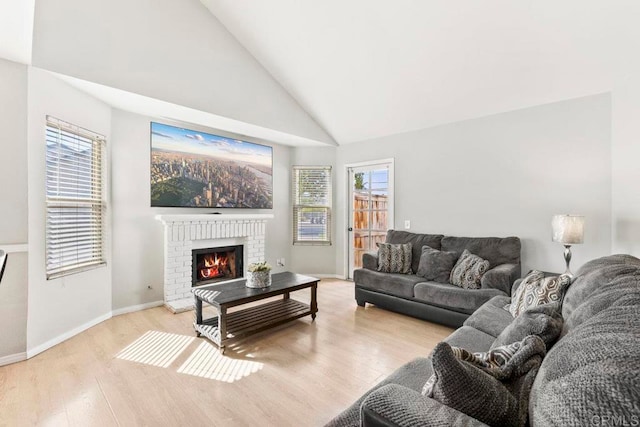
column 75, row 199
column 311, row 205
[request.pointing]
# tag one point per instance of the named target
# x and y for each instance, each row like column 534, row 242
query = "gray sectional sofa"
column 590, row 376
column 438, row 302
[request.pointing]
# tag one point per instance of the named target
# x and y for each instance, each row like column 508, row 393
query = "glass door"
column 370, row 204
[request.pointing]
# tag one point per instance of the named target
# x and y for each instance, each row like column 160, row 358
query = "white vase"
column 258, row 279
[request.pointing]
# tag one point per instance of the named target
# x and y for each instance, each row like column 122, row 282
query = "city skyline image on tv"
column 191, row 168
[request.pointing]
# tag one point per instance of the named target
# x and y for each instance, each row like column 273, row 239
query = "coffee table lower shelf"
column 252, row 320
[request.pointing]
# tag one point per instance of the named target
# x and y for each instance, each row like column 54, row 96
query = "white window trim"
column 346, row 244
column 296, row 206
column 95, row 228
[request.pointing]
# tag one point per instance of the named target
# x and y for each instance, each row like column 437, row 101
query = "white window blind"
column 311, row 205
column 75, row 199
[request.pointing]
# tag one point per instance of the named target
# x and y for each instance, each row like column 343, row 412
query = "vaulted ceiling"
column 369, row 68
column 364, row 69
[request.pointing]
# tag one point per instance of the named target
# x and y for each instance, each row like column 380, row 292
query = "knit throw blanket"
column 514, row 366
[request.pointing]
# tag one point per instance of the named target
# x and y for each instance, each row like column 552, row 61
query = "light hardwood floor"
column 147, row 368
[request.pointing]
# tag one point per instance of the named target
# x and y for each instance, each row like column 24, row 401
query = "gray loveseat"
column 438, row 302
column 590, row 376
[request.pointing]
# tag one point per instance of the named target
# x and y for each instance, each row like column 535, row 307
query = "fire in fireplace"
column 216, row 264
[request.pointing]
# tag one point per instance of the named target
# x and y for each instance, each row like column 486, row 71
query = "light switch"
column 407, row 224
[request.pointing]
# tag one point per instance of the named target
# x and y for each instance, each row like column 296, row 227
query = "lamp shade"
column 568, row 229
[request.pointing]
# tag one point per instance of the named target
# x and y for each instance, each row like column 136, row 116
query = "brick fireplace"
column 186, row 235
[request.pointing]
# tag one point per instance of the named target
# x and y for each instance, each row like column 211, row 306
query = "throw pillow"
column 436, row 265
column 544, row 321
column 541, row 291
column 468, row 389
column 394, row 258
column 517, row 299
column 468, row 271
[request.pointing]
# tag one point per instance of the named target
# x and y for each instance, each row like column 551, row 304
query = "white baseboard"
column 63, row 337
column 137, row 307
column 325, row 276
column 13, row 358
column 75, row 331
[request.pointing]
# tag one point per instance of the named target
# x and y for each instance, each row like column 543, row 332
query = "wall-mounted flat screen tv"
column 197, row 169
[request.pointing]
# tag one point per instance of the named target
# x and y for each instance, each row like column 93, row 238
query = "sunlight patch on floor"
column 207, row 362
column 156, row 348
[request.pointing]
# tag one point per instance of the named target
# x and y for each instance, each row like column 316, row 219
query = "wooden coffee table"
column 227, row 327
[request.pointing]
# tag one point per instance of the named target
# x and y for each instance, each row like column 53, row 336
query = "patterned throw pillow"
column 468, row 271
column 436, row 265
column 517, row 299
column 394, row 258
column 538, row 290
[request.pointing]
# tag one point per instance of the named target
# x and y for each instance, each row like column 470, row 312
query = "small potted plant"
column 259, row 275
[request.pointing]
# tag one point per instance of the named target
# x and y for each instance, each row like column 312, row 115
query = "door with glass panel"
column 370, row 209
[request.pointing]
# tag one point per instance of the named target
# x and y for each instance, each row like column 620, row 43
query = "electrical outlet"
column 280, row 262
column 407, row 224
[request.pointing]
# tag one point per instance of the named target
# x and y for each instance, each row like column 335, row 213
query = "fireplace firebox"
column 216, row 264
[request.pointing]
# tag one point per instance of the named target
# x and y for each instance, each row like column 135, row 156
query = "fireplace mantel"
column 212, row 217
column 184, row 233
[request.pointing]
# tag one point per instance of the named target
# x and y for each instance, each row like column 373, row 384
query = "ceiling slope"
column 369, row 68
column 170, row 112
column 169, row 50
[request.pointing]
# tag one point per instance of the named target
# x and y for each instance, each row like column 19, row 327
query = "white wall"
column 172, row 50
column 502, row 175
column 13, row 153
column 309, row 259
column 13, row 308
column 13, row 206
column 138, row 237
column 60, row 306
column 626, row 147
